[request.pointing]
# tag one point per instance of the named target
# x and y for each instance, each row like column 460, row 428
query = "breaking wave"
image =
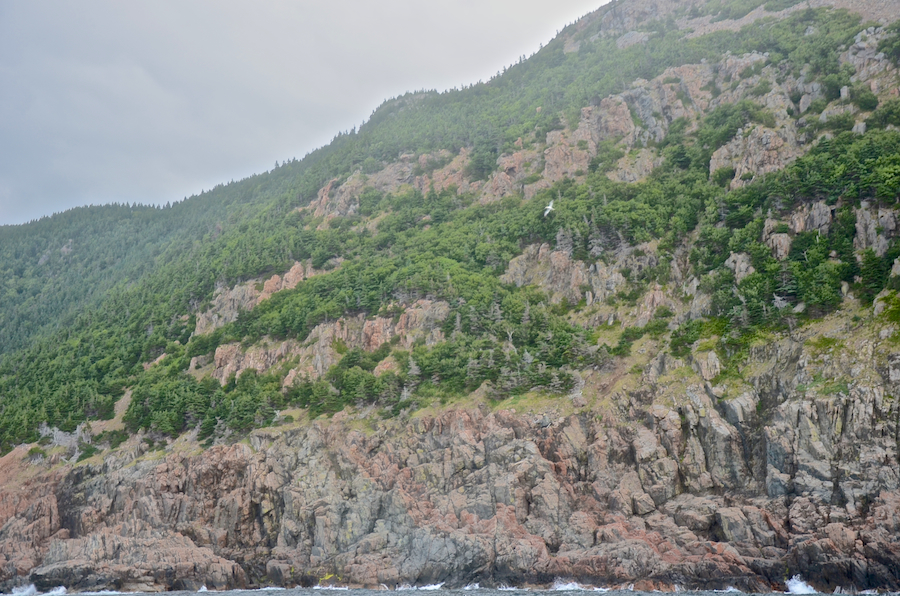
column 796, row 585
column 564, row 586
column 30, row 590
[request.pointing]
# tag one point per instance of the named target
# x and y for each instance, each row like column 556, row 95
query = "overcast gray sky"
column 152, row 101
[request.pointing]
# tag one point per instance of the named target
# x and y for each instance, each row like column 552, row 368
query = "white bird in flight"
column 548, row 208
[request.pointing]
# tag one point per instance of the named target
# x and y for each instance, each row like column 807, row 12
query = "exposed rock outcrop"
column 811, row 487
column 325, row 343
column 779, row 242
column 231, row 359
column 757, row 149
column 636, row 166
column 795, row 472
column 510, row 176
column 338, row 198
column 739, row 263
column 453, row 174
column 556, row 272
column 869, row 63
column 610, row 120
column 815, row 217
column 874, row 227
column 228, row 303
column 144, row 559
column 761, row 151
column 640, row 116
column 561, row 159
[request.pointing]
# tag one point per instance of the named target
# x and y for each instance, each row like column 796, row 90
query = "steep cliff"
column 684, row 375
column 664, row 481
column 228, row 303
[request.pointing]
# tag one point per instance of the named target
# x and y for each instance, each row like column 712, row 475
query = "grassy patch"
column 824, row 344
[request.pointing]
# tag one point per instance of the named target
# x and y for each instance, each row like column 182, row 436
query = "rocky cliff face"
column 658, row 478
column 639, row 117
column 420, row 320
column 563, row 277
column 654, row 476
column 675, row 482
column 229, row 302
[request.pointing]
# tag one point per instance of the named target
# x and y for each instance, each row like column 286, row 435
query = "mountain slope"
column 682, row 374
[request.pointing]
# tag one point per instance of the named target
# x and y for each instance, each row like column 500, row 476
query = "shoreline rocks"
column 465, row 496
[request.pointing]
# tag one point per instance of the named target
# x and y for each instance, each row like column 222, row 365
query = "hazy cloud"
column 103, row 100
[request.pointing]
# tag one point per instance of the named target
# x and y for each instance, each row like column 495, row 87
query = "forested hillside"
column 640, row 288
column 95, row 292
column 56, row 267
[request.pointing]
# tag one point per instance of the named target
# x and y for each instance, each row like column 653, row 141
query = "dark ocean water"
column 793, row 586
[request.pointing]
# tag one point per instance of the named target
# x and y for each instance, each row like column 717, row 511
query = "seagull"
column 548, row 208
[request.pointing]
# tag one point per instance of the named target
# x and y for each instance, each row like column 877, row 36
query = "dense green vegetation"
column 736, row 9
column 840, row 172
column 487, row 117
column 491, row 116
column 80, row 318
column 52, row 268
column 513, row 338
column 890, row 45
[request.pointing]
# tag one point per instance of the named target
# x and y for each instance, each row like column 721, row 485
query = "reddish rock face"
column 465, row 496
column 420, row 320
column 565, row 278
column 228, row 303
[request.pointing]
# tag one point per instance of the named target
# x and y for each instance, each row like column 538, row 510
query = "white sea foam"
column 472, row 587
column 602, row 590
column 505, row 588
column 28, row 590
column 564, row 586
column 796, row 585
column 727, row 590
column 57, row 591
column 331, row 588
column 432, row 586
column 102, row 593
